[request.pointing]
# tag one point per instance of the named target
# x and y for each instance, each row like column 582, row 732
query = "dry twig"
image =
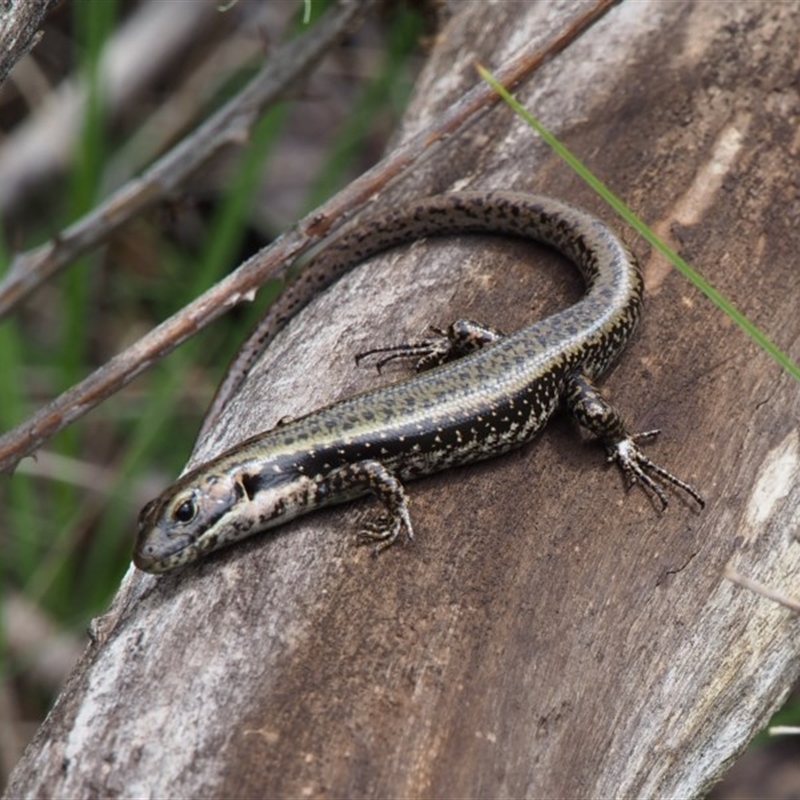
column 761, row 588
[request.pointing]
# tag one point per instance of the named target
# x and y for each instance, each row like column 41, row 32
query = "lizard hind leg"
column 598, row 416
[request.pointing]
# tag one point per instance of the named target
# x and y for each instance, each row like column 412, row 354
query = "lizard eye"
column 185, row 511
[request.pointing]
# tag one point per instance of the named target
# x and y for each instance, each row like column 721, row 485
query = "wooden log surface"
column 548, row 634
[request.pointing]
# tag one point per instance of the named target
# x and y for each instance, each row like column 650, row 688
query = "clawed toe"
column 638, row 468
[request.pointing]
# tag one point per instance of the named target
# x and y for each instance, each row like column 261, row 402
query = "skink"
column 478, row 393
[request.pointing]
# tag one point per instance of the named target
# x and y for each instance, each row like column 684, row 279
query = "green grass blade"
column 643, row 230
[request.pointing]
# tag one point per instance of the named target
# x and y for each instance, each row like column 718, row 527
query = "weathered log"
column 547, row 634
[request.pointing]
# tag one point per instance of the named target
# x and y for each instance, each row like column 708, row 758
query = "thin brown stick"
column 241, row 284
column 761, row 588
column 230, row 124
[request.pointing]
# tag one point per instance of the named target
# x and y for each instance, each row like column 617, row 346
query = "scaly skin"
column 469, row 408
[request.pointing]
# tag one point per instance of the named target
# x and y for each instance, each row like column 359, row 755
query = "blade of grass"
column 94, row 24
column 694, row 277
column 16, row 491
column 19, row 499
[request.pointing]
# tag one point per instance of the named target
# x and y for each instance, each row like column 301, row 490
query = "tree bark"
column 547, row 634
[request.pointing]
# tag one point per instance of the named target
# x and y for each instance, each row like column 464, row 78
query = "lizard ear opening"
column 251, row 484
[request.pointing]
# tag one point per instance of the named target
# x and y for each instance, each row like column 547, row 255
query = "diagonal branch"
column 230, row 124
column 275, row 259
